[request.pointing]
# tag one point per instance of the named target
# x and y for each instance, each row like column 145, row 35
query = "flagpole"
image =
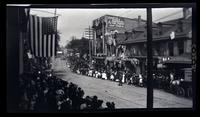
column 53, row 58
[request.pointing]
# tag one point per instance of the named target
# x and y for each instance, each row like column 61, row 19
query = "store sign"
column 188, row 75
column 115, row 22
column 172, row 35
column 160, row 65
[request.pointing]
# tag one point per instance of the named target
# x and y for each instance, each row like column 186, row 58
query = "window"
column 181, row 47
column 180, row 26
column 171, row 48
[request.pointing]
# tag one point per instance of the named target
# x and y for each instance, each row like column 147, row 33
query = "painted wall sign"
column 115, row 22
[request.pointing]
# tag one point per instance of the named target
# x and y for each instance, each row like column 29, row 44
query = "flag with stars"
column 43, row 31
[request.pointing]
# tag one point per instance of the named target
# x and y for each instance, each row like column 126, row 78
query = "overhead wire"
column 167, row 16
column 46, row 12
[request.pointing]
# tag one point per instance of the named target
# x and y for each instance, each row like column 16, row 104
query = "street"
column 126, row 96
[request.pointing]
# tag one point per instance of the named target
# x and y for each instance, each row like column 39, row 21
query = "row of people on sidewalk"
column 47, row 93
column 121, row 76
column 160, row 81
column 118, row 74
column 165, row 80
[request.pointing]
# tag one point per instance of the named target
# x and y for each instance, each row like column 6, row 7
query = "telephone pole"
column 89, row 45
column 88, row 34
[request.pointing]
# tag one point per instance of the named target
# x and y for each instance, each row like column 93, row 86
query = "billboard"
column 115, row 22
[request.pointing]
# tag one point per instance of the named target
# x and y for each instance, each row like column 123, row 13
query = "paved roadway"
column 125, row 96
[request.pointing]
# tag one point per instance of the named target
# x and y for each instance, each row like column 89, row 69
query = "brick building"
column 104, row 29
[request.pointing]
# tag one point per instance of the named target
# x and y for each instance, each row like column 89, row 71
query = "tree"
column 79, row 45
column 58, row 40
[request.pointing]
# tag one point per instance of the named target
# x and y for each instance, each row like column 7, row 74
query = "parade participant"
column 90, row 73
column 115, row 75
column 131, row 80
column 96, row 74
column 104, row 75
column 99, row 74
column 171, row 77
column 112, row 76
column 140, row 80
column 123, row 77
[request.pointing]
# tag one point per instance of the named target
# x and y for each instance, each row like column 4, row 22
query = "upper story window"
column 179, row 26
column 160, row 28
column 181, row 47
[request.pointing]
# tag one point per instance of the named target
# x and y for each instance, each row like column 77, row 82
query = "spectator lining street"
column 126, row 96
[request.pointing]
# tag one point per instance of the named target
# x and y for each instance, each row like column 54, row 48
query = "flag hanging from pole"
column 43, row 33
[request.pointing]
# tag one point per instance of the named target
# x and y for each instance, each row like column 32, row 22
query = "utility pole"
column 94, row 41
column 103, row 36
column 89, row 45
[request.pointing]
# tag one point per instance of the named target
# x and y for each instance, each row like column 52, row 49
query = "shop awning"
column 112, row 58
column 178, row 60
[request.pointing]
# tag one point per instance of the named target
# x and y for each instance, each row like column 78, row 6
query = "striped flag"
column 43, row 31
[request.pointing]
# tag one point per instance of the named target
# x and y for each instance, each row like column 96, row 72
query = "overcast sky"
column 72, row 22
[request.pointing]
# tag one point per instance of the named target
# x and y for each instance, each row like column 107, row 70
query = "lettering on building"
column 115, row 22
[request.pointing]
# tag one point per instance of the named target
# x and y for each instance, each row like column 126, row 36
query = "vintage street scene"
column 93, row 59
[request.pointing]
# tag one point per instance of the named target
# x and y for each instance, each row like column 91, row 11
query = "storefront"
column 99, row 63
column 179, row 65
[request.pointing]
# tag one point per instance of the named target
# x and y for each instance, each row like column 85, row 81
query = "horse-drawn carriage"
column 181, row 84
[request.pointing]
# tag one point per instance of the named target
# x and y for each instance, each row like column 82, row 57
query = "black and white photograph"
column 91, row 59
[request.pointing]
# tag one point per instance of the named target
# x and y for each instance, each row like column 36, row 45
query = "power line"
column 125, row 13
column 168, row 15
column 46, row 12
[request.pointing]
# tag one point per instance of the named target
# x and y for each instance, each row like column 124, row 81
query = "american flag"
column 43, row 31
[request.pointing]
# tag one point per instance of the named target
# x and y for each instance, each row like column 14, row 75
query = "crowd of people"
column 117, row 73
column 123, row 75
column 43, row 92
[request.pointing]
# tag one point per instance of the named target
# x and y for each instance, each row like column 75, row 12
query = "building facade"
column 106, row 27
column 171, row 42
column 126, row 38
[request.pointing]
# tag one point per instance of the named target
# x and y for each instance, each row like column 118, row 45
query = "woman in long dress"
column 123, row 77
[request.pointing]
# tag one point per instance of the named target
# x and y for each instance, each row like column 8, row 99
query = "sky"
column 72, row 22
